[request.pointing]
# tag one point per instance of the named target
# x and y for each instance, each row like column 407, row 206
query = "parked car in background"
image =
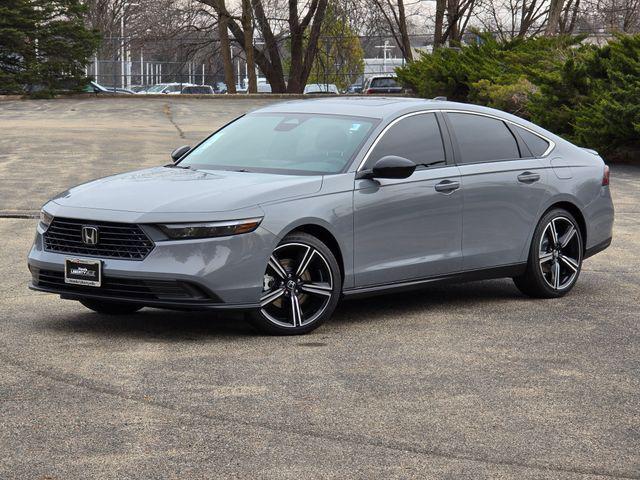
column 173, row 88
column 264, row 88
column 220, row 87
column 354, row 88
column 138, row 88
column 290, row 207
column 95, row 87
column 382, row 84
column 197, row 90
column 320, row 88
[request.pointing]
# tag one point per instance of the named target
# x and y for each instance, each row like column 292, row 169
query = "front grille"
column 115, row 240
column 122, row 287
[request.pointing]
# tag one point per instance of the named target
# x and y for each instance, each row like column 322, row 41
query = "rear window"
column 384, row 82
column 483, row 139
column 536, row 144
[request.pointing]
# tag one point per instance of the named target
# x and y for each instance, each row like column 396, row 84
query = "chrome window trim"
column 551, row 143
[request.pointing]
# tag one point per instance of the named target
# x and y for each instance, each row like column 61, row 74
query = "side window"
column 536, row 144
column 483, row 139
column 416, row 137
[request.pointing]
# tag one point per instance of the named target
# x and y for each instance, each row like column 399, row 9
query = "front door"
column 410, row 228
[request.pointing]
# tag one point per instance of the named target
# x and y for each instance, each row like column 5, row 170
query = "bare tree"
column 303, row 34
column 513, row 18
column 614, row 15
column 247, row 28
column 395, row 15
column 225, row 46
column 438, row 40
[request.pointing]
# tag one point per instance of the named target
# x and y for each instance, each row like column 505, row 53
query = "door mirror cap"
column 390, row 166
column 179, row 152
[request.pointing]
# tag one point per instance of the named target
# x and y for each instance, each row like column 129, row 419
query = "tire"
column 110, row 308
column 301, row 287
column 550, row 260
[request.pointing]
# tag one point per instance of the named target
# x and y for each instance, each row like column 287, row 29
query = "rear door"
column 409, row 228
column 503, row 189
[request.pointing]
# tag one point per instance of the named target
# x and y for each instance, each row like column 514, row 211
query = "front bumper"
column 214, row 273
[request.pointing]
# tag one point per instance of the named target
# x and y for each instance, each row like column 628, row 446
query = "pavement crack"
column 166, row 109
column 354, row 440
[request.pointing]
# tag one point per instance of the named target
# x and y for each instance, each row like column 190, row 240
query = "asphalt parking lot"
column 469, row 381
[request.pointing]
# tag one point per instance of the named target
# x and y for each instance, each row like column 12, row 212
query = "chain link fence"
column 138, row 63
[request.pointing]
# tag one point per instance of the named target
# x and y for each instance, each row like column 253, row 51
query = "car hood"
column 178, row 190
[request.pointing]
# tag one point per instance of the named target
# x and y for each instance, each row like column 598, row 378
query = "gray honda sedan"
column 289, row 208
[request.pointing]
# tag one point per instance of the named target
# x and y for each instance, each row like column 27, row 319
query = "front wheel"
column 555, row 257
column 301, row 287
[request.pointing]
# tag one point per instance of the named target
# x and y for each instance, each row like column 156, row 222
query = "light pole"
column 125, row 60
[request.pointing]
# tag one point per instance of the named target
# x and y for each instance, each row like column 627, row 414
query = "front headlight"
column 185, row 231
column 45, row 219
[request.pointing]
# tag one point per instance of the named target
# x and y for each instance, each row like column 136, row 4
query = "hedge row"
column 588, row 94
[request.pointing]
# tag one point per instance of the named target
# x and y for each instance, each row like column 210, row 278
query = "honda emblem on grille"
column 89, row 235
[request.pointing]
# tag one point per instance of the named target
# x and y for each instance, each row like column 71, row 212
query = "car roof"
column 388, row 108
column 372, row 107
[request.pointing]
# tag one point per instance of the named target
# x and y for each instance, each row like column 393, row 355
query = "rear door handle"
column 447, row 186
column 528, row 177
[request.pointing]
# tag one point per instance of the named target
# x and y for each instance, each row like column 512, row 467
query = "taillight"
column 605, row 176
column 369, row 91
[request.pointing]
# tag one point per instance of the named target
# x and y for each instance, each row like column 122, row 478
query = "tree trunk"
column 553, row 22
column 452, row 20
column 247, row 27
column 225, row 50
column 404, row 34
column 302, row 56
column 437, row 35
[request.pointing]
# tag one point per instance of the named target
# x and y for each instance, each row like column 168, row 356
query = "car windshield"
column 290, row 143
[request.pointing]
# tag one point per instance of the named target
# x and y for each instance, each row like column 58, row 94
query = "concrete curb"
column 26, row 214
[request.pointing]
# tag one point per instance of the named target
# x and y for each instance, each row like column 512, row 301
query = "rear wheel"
column 110, row 308
column 555, row 257
column 301, row 287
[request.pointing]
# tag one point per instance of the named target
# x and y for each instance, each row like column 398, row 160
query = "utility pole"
column 384, row 48
column 122, row 47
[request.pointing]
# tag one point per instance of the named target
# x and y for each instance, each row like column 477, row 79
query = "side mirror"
column 390, row 166
column 179, row 152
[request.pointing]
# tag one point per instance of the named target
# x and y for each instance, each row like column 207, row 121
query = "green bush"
column 588, row 94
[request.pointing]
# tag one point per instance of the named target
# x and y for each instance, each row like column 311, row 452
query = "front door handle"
column 447, row 186
column 528, row 177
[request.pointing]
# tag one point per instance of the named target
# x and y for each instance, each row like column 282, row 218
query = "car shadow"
column 165, row 325
column 426, row 298
column 150, row 324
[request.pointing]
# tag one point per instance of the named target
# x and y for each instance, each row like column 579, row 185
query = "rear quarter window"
column 536, row 144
